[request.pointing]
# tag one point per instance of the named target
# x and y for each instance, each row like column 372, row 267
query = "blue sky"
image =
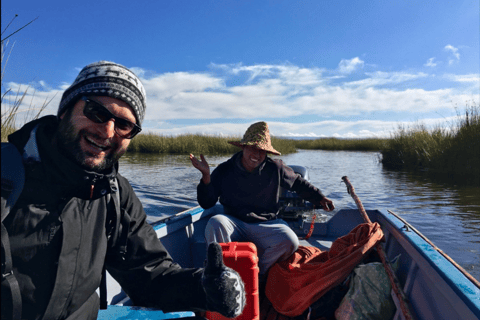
column 308, row 68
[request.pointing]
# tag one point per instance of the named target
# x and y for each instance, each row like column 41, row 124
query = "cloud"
column 226, row 98
column 469, row 82
column 308, row 130
column 302, row 135
column 430, row 63
column 348, row 66
column 380, row 78
column 454, row 52
column 475, row 78
column 282, row 92
column 287, row 74
column 273, row 97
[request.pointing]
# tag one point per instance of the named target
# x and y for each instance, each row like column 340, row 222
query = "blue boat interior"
column 435, row 288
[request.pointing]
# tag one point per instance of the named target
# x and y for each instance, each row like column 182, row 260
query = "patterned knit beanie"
column 257, row 135
column 105, row 78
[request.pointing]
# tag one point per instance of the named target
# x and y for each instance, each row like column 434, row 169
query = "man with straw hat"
column 248, row 188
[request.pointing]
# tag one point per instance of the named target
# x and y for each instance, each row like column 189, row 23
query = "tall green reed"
column 451, row 150
column 195, row 143
column 368, row 144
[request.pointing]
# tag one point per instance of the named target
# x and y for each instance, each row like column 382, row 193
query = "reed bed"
column 370, row 144
column 454, row 150
column 195, row 143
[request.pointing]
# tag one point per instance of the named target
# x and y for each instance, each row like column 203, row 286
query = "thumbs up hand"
column 223, row 286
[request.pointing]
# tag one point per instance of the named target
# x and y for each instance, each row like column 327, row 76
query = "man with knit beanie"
column 61, row 229
column 248, row 186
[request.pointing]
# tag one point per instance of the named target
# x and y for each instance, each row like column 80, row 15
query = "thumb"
column 214, row 259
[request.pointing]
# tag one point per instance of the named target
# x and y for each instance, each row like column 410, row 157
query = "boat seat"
column 323, row 244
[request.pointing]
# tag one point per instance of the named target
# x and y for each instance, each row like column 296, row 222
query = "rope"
column 388, row 268
column 310, row 231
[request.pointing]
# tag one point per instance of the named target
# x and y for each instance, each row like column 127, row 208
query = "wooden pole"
column 402, row 298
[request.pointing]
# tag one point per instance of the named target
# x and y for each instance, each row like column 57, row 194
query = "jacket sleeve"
column 148, row 274
column 207, row 194
column 294, row 182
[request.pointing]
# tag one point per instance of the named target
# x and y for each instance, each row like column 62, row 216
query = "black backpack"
column 13, row 179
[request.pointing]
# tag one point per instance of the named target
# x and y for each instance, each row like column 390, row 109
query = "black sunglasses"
column 97, row 113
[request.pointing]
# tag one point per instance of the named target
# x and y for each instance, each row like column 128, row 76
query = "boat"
column 432, row 285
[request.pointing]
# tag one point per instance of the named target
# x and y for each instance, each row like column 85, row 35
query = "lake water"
column 447, row 214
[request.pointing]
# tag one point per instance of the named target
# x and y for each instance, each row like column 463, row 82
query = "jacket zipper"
column 92, row 187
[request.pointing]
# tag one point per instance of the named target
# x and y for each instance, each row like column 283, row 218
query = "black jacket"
column 59, row 243
column 253, row 196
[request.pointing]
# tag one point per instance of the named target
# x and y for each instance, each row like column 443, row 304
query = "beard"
column 68, row 142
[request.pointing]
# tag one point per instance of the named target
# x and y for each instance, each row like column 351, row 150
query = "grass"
column 450, row 151
column 370, row 144
column 195, row 143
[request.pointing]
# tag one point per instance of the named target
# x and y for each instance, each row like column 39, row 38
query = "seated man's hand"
column 327, row 204
column 202, row 166
column 223, row 286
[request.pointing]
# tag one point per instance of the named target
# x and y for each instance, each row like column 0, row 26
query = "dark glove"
column 223, row 286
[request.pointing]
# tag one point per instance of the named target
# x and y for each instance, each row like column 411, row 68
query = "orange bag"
column 294, row 284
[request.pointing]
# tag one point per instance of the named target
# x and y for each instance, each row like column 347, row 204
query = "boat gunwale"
column 462, row 286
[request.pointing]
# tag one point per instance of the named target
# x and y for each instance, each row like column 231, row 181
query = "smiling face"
column 94, row 146
column 252, row 157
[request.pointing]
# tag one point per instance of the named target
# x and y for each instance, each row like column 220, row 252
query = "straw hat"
column 257, row 135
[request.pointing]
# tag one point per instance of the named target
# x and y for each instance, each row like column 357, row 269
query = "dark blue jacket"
column 253, row 196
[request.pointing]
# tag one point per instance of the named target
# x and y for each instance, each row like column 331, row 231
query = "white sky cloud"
column 349, row 66
column 227, row 93
column 332, row 128
column 475, row 78
column 454, row 52
column 430, row 63
column 380, row 78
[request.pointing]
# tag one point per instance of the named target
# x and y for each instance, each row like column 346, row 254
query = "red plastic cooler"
column 242, row 257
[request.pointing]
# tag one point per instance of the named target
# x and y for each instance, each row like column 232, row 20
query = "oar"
column 388, row 267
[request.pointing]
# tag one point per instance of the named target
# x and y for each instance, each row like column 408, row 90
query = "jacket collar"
column 35, row 139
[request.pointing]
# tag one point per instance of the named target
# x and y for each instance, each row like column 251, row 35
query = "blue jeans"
column 274, row 239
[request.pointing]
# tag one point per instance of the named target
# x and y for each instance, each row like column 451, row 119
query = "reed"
column 194, row 143
column 11, row 111
column 369, row 144
column 450, row 150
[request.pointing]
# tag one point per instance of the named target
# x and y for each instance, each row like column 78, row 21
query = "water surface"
column 447, row 214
